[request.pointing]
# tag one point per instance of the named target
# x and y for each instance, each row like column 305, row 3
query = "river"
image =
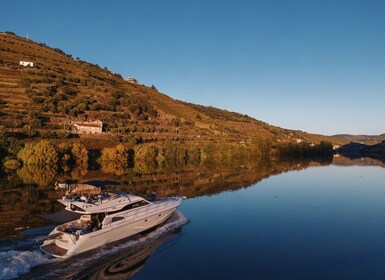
column 318, row 222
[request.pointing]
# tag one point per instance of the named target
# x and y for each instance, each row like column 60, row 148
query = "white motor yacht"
column 105, row 218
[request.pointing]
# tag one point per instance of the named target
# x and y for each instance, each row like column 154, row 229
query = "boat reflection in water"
column 125, row 263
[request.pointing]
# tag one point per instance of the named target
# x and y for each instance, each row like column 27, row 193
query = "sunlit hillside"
column 46, row 98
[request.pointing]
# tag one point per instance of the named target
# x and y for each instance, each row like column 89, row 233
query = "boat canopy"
column 102, row 203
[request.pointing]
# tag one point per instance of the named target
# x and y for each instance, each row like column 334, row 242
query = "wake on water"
column 23, row 255
column 13, row 263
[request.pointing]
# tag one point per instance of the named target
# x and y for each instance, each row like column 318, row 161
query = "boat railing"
column 139, row 213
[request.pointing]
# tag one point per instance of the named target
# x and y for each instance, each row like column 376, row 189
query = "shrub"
column 68, row 90
column 12, row 164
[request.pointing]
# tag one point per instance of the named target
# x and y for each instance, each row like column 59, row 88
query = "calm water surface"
column 319, row 223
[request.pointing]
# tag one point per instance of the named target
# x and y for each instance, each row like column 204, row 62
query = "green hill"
column 47, row 98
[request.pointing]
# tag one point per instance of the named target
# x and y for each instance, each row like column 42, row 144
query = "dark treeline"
column 319, row 152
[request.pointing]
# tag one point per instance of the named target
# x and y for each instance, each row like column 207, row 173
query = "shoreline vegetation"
column 169, row 169
column 72, row 157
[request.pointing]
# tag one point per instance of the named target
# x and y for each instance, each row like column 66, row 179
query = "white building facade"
column 26, row 63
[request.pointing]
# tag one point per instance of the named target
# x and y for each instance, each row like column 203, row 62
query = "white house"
column 93, row 127
column 131, row 80
column 26, row 63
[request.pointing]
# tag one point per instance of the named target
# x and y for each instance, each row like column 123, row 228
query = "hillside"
column 47, row 98
column 363, row 139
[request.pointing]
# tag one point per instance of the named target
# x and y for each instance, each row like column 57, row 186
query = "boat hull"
column 64, row 244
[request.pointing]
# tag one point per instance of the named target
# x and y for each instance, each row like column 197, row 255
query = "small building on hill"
column 26, row 63
column 92, row 127
column 131, row 80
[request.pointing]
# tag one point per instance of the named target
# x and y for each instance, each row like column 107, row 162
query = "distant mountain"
column 44, row 89
column 363, row 139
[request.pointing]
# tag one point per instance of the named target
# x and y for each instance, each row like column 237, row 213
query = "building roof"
column 89, row 124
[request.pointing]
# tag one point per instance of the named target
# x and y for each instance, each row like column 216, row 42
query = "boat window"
column 134, row 205
column 115, row 219
column 139, row 204
column 130, row 206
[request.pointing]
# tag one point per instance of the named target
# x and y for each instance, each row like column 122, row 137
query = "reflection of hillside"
column 21, row 204
column 22, row 201
column 358, row 150
column 362, row 161
column 206, row 180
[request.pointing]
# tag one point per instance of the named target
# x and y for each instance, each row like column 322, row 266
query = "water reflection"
column 124, row 266
column 360, row 161
column 28, row 193
column 39, row 175
column 290, row 215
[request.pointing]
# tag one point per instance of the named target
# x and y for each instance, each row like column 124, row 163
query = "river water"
column 323, row 222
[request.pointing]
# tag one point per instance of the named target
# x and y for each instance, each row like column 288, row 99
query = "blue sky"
column 316, row 66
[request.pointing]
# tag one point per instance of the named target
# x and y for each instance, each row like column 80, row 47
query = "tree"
column 80, row 154
column 154, row 88
column 29, row 131
column 43, row 153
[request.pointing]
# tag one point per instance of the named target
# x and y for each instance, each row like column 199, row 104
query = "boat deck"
column 54, row 249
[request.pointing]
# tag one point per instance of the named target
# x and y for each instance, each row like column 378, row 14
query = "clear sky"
column 311, row 65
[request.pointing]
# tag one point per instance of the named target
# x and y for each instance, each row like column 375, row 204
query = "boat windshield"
column 130, row 206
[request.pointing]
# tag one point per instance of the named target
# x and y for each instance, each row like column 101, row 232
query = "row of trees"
column 130, row 158
column 48, row 153
column 145, row 158
column 170, row 153
column 151, row 155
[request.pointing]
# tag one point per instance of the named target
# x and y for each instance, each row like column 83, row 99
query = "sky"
column 311, row 65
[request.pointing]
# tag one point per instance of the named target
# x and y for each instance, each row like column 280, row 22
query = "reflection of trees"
column 207, row 179
column 111, row 167
column 190, row 179
column 78, row 172
column 115, row 160
column 40, row 175
column 21, row 202
column 197, row 180
column 145, row 159
column 144, row 166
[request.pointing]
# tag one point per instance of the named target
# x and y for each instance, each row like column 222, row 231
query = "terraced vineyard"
column 60, row 89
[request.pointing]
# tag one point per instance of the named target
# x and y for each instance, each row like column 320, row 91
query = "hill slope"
column 59, row 89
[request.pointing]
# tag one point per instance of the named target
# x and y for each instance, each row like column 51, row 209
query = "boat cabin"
column 102, row 214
